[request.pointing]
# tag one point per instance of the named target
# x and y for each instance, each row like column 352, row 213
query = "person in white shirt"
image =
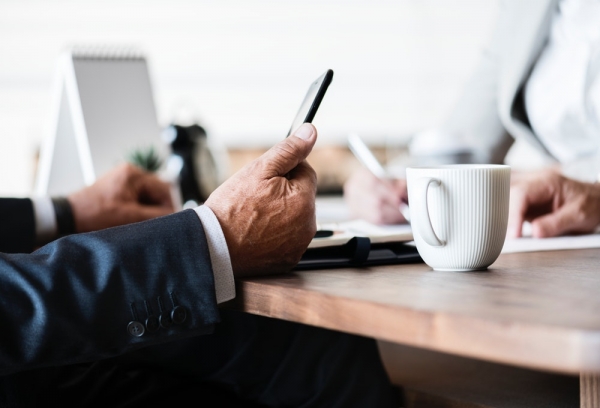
column 538, row 83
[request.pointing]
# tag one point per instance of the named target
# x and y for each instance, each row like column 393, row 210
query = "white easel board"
column 103, row 111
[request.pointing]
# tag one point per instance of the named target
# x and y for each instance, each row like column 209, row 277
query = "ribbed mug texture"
column 468, row 212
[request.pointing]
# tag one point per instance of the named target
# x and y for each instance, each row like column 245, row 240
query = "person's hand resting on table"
column 124, row 195
column 375, row 200
column 267, row 209
column 554, row 204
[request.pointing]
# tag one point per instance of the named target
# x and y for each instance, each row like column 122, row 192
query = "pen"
column 368, row 159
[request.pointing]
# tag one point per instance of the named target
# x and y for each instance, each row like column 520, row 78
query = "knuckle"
column 313, row 174
column 129, row 170
column 580, row 217
column 289, row 149
column 380, row 206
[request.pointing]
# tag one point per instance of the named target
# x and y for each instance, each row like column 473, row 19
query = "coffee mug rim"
column 461, row 166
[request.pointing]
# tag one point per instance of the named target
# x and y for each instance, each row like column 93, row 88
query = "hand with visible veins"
column 554, row 204
column 267, row 209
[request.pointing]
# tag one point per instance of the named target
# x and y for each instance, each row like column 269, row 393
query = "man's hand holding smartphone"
column 267, row 209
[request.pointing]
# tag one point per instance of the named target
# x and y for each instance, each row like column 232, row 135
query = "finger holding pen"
column 371, row 193
column 375, row 200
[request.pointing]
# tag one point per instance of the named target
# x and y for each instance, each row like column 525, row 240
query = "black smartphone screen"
column 312, row 100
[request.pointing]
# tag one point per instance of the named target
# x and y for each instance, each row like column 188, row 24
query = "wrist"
column 65, row 221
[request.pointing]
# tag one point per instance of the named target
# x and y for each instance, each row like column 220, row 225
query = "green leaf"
column 146, row 159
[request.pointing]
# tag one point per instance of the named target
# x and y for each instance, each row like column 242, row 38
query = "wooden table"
column 535, row 310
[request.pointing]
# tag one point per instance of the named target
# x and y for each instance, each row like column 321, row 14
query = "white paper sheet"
column 529, row 244
column 333, row 211
column 344, row 231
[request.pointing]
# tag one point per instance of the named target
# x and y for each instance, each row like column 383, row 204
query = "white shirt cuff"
column 219, row 254
column 45, row 219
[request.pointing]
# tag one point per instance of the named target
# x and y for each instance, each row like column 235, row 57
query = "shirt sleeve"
column 45, row 219
column 219, row 254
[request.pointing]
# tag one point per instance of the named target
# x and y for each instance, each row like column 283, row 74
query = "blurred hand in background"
column 375, row 200
column 554, row 204
column 124, row 195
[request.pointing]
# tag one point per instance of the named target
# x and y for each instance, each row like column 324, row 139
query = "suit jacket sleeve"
column 73, row 300
column 17, row 225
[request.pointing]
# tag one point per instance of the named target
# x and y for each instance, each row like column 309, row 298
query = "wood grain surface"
column 538, row 310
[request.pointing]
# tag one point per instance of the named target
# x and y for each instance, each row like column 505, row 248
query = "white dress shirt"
column 46, row 229
column 219, row 254
column 562, row 95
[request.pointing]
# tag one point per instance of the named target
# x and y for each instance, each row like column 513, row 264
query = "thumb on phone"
column 291, row 151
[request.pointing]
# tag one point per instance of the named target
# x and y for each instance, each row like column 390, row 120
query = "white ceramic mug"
column 459, row 214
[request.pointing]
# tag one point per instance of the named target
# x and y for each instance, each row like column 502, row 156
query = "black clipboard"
column 359, row 252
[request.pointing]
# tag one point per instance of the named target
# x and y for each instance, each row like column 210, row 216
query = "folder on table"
column 358, row 243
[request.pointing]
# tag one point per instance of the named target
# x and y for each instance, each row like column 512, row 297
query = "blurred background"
column 241, row 68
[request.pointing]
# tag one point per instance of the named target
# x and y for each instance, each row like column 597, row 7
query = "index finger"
column 516, row 213
column 303, row 176
column 524, row 196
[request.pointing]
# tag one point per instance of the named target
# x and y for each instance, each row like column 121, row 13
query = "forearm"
column 73, row 299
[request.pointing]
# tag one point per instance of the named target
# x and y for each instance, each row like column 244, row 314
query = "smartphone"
column 312, row 100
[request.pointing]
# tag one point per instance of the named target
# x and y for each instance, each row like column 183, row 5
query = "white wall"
column 242, row 67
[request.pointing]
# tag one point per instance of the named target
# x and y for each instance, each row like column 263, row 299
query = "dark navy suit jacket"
column 73, row 299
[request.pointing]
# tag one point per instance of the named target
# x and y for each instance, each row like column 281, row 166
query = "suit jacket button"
column 152, row 324
column 136, row 329
column 178, row 314
column 165, row 320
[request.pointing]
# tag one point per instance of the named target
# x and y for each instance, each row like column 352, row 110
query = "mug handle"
column 422, row 221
